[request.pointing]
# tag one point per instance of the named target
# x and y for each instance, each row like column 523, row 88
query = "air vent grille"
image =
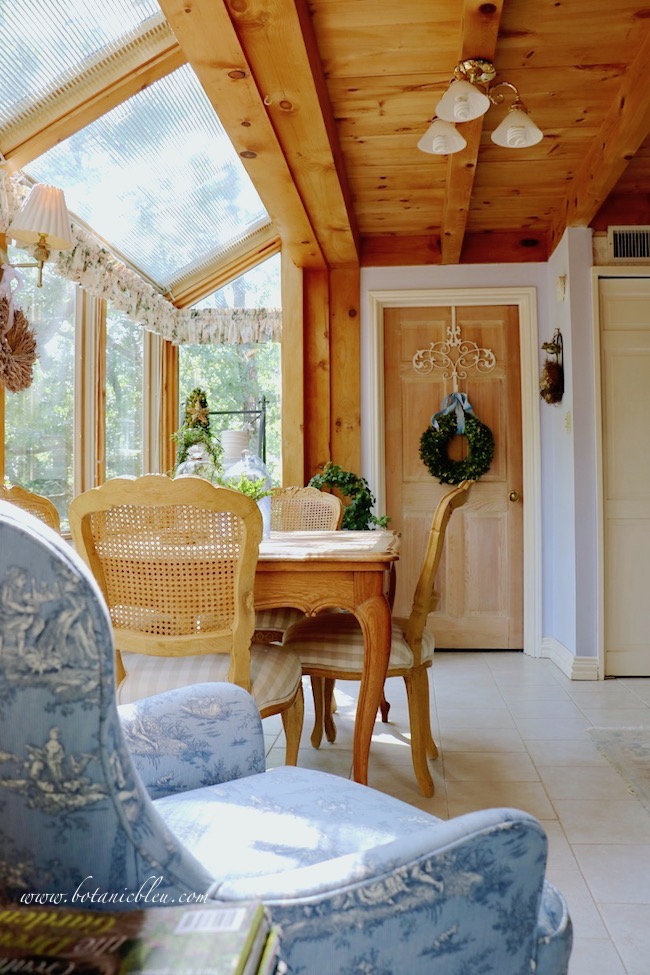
column 629, row 245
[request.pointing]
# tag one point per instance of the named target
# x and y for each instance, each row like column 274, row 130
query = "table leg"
column 374, row 616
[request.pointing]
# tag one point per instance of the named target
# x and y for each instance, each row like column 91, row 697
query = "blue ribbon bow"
column 454, row 403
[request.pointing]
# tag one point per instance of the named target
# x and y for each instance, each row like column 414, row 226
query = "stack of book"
column 206, row 939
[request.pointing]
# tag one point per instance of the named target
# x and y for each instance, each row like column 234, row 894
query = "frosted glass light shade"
column 442, row 139
column 43, row 214
column 462, row 102
column 517, row 131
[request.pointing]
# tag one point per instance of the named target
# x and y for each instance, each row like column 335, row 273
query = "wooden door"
column 625, row 378
column 481, row 574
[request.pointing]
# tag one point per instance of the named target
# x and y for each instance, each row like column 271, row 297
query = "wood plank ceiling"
column 350, row 85
column 325, row 101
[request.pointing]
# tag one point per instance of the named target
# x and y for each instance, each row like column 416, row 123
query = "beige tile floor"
column 512, row 731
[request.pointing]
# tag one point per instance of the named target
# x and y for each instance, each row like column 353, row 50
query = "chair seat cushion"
column 277, row 619
column 335, row 641
column 275, row 674
column 284, row 820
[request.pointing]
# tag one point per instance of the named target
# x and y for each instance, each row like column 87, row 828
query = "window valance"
column 96, row 270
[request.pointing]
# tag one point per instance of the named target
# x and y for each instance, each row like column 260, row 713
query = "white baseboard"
column 576, row 668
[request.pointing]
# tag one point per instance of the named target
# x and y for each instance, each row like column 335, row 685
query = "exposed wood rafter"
column 480, row 29
column 207, row 36
column 278, row 39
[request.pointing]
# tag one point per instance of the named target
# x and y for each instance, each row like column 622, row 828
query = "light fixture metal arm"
column 497, row 97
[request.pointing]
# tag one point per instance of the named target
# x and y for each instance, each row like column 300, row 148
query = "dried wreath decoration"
column 17, row 348
column 456, row 417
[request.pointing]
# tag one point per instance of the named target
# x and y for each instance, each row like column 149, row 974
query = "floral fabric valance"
column 92, row 266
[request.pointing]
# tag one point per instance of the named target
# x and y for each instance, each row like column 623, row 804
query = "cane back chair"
column 176, row 562
column 331, row 645
column 36, row 504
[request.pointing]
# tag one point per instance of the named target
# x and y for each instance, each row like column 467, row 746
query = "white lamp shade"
column 442, row 139
column 462, row 102
column 43, row 213
column 517, row 131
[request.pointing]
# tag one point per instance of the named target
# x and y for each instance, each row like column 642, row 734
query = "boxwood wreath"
column 435, row 440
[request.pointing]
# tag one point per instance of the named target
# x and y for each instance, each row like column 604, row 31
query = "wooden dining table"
column 316, row 570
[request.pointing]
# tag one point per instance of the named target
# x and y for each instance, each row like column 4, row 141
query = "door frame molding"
column 525, row 299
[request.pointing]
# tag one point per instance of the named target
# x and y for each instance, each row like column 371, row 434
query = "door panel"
column 480, row 578
column 625, row 377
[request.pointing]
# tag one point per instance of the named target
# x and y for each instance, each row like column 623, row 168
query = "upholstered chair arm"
column 467, row 890
column 193, row 736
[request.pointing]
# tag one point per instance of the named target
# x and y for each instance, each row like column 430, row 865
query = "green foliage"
column 251, row 487
column 196, row 431
column 236, row 377
column 358, row 514
column 434, row 444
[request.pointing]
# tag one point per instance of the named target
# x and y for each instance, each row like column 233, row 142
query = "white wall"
column 568, row 549
column 569, row 514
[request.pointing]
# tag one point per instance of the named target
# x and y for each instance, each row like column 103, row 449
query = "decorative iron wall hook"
column 455, row 355
column 551, row 382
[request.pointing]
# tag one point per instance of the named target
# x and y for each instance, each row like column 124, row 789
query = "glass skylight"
column 47, row 43
column 158, row 179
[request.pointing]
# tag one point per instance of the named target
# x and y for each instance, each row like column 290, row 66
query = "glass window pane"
column 124, row 382
column 237, row 377
column 159, row 179
column 39, row 420
column 257, row 288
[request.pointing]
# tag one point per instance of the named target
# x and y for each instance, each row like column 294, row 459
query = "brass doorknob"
column 514, row 496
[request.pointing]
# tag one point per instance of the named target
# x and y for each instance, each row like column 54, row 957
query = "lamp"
column 43, row 221
column 468, row 97
column 441, row 138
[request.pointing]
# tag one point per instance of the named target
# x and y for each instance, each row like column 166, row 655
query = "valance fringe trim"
column 97, row 271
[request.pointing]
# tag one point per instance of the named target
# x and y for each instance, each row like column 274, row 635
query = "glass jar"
column 198, row 463
column 251, row 477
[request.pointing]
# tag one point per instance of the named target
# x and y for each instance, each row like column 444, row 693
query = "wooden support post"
column 345, row 356
column 293, row 447
column 318, row 447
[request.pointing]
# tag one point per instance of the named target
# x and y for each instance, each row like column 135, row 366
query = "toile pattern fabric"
column 171, row 792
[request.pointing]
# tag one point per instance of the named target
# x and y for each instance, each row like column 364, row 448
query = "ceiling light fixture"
column 468, row 97
column 44, row 222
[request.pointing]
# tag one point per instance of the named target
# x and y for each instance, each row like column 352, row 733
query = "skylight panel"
column 46, row 44
column 157, row 178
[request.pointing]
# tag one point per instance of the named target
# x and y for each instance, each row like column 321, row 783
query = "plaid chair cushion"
column 275, row 674
column 277, row 619
column 335, row 641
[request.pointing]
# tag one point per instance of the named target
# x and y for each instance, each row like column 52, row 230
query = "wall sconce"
column 551, row 382
column 44, row 222
column 469, row 96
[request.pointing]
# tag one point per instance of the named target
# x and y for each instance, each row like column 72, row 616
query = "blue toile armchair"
column 169, row 802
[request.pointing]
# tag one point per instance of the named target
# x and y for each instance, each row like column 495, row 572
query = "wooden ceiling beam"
column 480, row 29
column 624, row 128
column 93, row 105
column 491, row 247
column 208, row 38
column 277, row 37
